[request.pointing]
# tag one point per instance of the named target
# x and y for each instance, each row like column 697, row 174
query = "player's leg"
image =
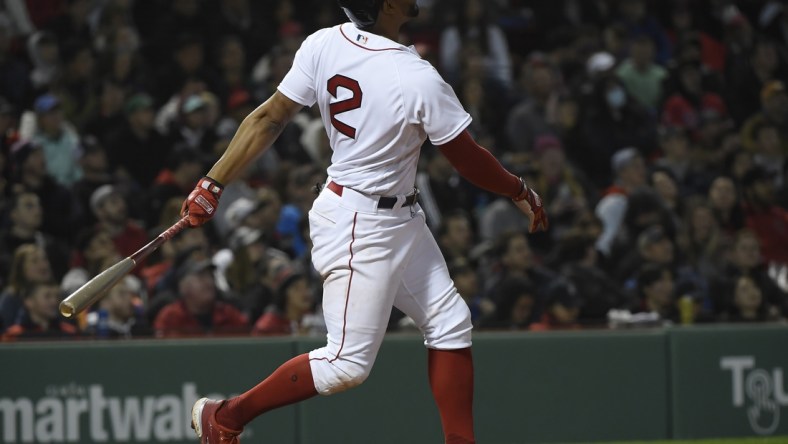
column 427, row 294
column 359, row 291
column 353, row 251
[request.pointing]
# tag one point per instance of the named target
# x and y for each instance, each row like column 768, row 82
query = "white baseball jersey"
column 379, row 102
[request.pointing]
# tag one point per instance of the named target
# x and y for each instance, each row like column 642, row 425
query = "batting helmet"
column 364, row 13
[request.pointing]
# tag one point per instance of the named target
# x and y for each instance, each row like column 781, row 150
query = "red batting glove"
column 531, row 204
column 202, row 203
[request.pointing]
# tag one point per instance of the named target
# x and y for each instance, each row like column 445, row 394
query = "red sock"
column 290, row 383
column 451, row 379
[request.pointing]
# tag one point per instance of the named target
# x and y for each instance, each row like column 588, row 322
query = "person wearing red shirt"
column 292, row 309
column 764, row 217
column 197, row 310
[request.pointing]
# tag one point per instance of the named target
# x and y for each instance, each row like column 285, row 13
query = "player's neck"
column 386, row 29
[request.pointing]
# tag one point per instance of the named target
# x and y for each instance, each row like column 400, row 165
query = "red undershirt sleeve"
column 479, row 166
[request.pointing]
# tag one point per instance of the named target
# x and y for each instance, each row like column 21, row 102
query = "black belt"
column 384, row 202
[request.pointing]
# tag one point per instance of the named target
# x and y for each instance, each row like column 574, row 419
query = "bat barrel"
column 95, row 288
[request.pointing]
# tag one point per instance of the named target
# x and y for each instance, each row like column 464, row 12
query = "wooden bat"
column 94, row 289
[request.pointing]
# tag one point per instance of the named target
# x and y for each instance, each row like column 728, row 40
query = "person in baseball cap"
column 46, row 103
column 101, row 194
column 137, row 102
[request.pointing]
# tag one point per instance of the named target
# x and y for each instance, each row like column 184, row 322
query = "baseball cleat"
column 205, row 425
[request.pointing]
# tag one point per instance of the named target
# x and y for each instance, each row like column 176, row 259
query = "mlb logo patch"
column 361, row 39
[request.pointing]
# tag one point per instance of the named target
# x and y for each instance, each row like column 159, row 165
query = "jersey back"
column 378, row 100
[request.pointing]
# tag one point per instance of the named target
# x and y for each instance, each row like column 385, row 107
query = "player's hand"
column 202, row 203
column 531, row 204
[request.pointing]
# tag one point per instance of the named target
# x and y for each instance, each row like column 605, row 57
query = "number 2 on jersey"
column 344, row 105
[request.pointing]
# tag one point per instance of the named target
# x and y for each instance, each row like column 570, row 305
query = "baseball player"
column 379, row 101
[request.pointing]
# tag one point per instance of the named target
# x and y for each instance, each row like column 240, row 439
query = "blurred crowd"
column 655, row 131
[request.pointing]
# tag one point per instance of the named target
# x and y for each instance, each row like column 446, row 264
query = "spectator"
column 630, row 173
column 767, row 220
column 746, row 84
column 110, row 208
column 44, row 53
column 725, row 204
column 514, row 258
column 691, row 104
column 468, row 284
column 655, row 288
column 187, row 60
column 15, row 82
column 122, row 62
column 535, row 115
column 666, row 187
column 292, row 310
column 76, row 87
column 198, row 310
column 712, row 51
column 597, row 289
column 160, row 271
column 96, row 172
column 249, row 254
column 299, row 193
column 194, row 128
column 774, row 112
column 653, row 246
column 25, row 228
column 634, row 16
column 238, row 18
column 562, row 308
column 94, row 253
column 737, row 163
column 231, row 59
column 30, row 266
column 641, row 76
column 745, row 259
column 29, row 172
column 182, row 171
column 747, row 302
column 612, row 120
column 473, row 28
column 442, row 190
column 118, row 314
column 702, row 242
column 455, row 237
column 680, row 157
column 137, row 152
column 58, row 139
column 108, row 116
column 516, row 307
column 768, row 151
column 565, row 188
column 39, row 317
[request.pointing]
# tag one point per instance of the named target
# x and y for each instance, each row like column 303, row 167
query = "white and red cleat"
column 205, row 425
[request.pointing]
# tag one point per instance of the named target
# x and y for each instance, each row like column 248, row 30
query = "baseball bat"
column 94, row 289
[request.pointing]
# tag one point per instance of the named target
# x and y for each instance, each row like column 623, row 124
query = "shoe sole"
column 196, row 415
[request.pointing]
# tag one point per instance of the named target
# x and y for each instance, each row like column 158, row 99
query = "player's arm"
column 482, row 169
column 257, row 133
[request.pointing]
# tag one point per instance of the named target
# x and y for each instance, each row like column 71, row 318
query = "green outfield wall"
column 530, row 387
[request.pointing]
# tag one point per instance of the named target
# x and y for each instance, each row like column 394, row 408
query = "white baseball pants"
column 372, row 259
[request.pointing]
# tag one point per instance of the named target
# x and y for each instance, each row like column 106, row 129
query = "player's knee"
column 453, row 328
column 344, row 375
